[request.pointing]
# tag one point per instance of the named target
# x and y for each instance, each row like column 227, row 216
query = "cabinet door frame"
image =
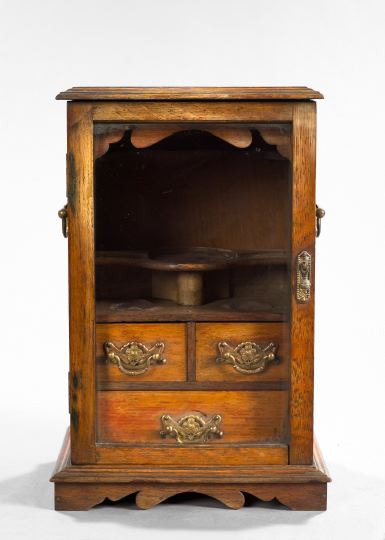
column 302, row 314
column 80, row 193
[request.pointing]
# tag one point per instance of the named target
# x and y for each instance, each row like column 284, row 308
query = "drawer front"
column 191, row 418
column 140, row 352
column 238, row 352
column 190, row 456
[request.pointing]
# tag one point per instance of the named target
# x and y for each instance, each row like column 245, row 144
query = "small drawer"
column 213, row 418
column 237, row 352
column 140, row 352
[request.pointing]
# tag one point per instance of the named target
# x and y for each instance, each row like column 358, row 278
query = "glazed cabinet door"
column 191, row 255
column 192, row 283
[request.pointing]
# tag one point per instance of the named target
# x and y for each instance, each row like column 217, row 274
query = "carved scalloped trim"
column 145, row 136
column 304, row 497
column 232, row 498
column 102, row 141
column 279, row 137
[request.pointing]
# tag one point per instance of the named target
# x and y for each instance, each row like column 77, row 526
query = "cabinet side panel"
column 81, row 282
column 302, row 314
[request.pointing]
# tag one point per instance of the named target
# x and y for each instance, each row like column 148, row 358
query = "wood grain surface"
column 108, row 311
column 302, row 315
column 145, row 136
column 80, row 189
column 247, row 417
column 305, row 497
column 198, row 456
column 189, row 93
column 230, row 472
column 194, row 111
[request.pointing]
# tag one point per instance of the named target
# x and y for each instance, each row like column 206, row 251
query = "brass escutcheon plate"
column 303, row 291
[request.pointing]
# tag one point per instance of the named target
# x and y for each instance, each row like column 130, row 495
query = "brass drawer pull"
column 191, row 428
column 134, row 358
column 247, row 357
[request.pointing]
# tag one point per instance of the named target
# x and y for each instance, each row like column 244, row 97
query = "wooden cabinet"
column 191, row 223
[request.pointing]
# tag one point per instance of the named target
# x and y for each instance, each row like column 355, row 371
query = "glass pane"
column 192, row 222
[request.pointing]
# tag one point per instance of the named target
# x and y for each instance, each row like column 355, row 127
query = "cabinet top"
column 165, row 93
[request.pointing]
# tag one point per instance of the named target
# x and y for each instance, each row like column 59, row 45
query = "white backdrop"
column 335, row 46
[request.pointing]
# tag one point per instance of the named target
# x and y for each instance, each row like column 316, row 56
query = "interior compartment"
column 192, row 222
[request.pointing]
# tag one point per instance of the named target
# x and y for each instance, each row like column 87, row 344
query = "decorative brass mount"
column 247, row 357
column 191, row 428
column 135, row 358
column 63, row 215
column 303, row 277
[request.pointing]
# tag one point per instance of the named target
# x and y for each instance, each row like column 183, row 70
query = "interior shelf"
column 199, row 259
column 226, row 310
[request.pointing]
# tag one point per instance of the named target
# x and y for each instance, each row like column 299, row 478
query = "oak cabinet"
column 191, row 223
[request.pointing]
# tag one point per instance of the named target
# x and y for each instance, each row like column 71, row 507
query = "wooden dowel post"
column 190, row 288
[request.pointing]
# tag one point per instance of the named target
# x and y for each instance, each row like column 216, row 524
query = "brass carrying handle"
column 319, row 214
column 191, row 428
column 247, row 357
column 134, row 358
column 63, row 215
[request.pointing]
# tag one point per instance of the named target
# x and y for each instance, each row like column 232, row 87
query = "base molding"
column 80, row 487
column 81, row 496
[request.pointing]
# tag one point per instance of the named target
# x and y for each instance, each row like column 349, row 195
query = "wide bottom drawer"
column 191, row 418
column 193, row 456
